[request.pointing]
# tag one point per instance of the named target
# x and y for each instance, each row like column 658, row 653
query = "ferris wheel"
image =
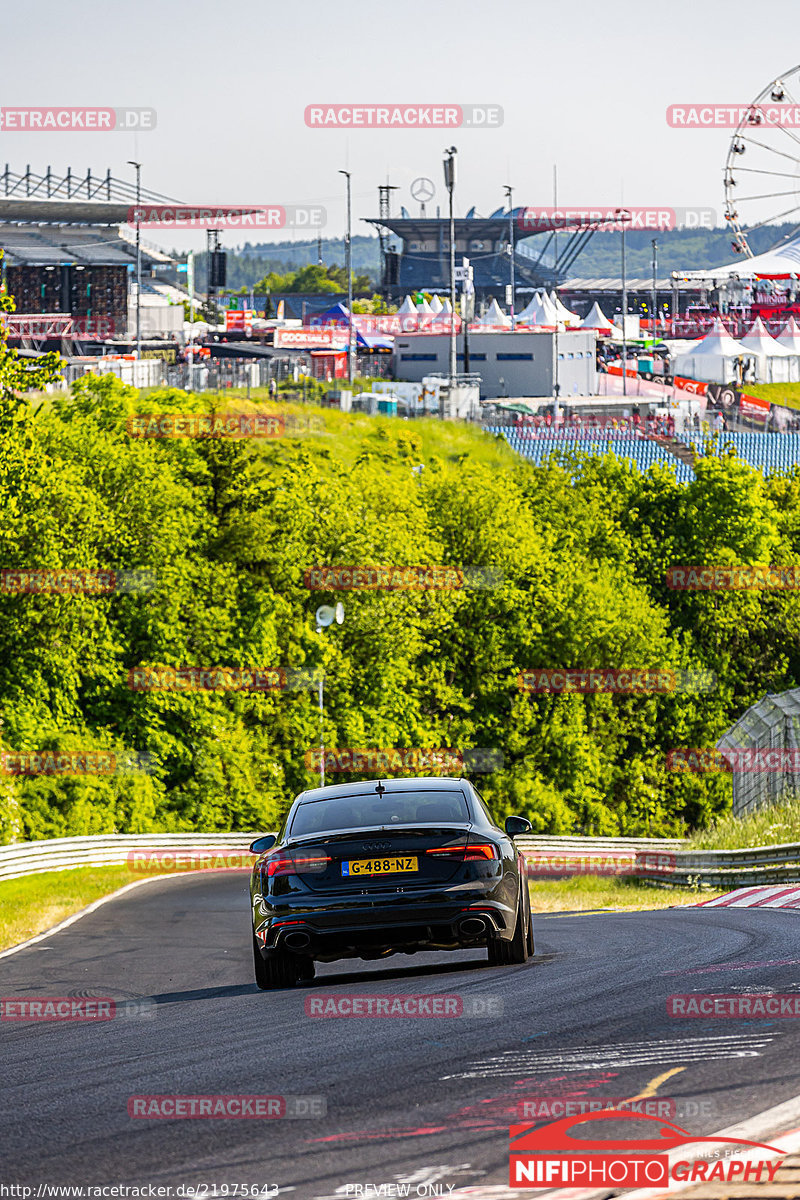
column 762, row 169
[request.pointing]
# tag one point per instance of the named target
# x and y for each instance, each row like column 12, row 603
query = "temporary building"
column 424, row 308
column 446, row 305
column 408, row 306
column 782, row 262
column 436, row 305
column 714, row 358
column 774, row 363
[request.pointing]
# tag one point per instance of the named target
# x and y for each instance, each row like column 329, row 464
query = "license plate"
column 379, row 866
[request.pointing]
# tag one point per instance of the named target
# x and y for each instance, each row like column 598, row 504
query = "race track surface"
column 427, row 1101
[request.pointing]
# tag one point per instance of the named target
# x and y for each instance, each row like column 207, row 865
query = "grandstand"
column 767, row 452
column 68, row 252
column 642, row 451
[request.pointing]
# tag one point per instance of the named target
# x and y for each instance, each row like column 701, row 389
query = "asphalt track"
column 422, row 1101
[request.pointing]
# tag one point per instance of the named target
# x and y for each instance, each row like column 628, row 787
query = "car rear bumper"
column 373, row 929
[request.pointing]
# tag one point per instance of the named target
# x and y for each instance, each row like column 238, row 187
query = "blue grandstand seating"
column 768, row 452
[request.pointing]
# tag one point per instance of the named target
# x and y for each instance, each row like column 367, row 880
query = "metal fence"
column 763, row 750
column 662, row 861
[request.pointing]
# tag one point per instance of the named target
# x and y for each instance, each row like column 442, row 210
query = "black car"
column 369, row 869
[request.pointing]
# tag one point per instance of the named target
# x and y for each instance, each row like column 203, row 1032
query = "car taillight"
column 296, row 864
column 481, row 850
column 474, row 853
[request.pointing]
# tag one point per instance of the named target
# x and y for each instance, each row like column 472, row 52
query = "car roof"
column 416, row 783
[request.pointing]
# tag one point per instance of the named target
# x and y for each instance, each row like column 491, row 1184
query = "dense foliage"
column 230, row 527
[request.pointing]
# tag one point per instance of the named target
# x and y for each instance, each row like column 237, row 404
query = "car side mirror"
column 263, row 843
column 516, row 825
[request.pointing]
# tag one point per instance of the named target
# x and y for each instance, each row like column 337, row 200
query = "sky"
column 582, row 85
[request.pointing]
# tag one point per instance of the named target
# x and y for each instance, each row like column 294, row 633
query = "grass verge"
column 36, row 902
column 582, row 892
column 768, row 827
column 786, row 394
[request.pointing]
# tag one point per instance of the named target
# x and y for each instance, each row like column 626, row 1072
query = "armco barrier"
column 108, row 850
column 659, row 860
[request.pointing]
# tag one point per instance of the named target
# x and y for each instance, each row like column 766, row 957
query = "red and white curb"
column 775, row 895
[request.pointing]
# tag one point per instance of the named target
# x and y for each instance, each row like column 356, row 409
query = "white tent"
column 446, row 305
column 596, row 319
column 494, row 315
column 779, row 263
column 408, row 306
column 564, row 314
column 713, row 359
column 790, row 337
column 436, row 305
column 540, row 311
column 774, row 362
column 424, row 308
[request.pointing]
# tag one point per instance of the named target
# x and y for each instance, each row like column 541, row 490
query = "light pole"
column 624, row 215
column 324, row 616
column 450, row 183
column 655, row 290
column 138, row 167
column 348, row 269
column 509, row 191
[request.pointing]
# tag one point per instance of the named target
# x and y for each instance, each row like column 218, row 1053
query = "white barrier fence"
column 661, row 860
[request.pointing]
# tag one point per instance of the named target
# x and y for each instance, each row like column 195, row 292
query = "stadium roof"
column 51, row 245
column 609, row 284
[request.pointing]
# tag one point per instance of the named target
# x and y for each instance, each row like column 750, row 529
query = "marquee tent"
column 713, row 359
column 494, row 315
column 436, row 305
column 408, row 306
column 774, row 363
column 789, row 337
column 596, row 319
column 781, row 262
column 564, row 314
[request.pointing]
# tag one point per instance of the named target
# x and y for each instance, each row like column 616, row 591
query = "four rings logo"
column 553, row 1156
column 377, row 847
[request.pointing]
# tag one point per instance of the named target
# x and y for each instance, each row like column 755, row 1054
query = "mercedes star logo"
column 422, row 189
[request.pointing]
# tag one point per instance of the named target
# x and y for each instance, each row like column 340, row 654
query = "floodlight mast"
column 325, row 616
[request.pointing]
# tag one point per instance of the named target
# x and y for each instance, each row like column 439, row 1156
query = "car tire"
column 278, row 970
column 506, row 954
column 259, row 967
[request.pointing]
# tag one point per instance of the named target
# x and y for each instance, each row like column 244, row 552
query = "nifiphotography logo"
column 552, row 1156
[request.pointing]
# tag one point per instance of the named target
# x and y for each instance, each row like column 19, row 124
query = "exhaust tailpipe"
column 472, row 927
column 298, row 940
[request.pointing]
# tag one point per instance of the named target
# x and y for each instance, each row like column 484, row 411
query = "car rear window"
column 367, row 811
